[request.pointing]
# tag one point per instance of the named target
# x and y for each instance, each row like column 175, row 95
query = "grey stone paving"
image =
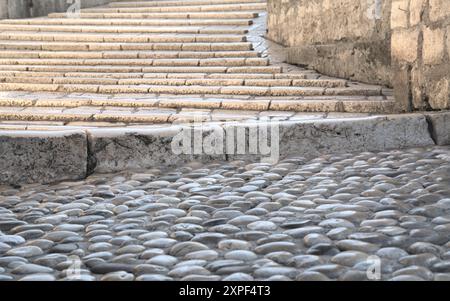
column 300, row 219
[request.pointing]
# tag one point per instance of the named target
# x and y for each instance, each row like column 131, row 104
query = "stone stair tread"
column 223, row 62
column 130, row 22
column 179, row 81
column 125, row 54
column 243, row 76
column 180, row 8
column 130, row 115
column 177, row 2
column 123, row 38
column 93, row 46
column 168, row 15
column 190, row 89
column 228, row 30
column 150, row 69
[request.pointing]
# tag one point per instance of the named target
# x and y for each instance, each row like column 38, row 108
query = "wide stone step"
column 141, row 62
column 193, row 15
column 122, row 110
column 125, row 54
column 189, row 90
column 122, row 38
column 87, row 114
column 134, row 69
column 179, row 8
column 68, row 46
column 130, row 22
column 241, row 76
column 177, row 81
column 123, row 29
column 178, row 2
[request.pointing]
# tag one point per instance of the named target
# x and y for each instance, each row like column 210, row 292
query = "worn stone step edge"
column 125, row 29
column 175, row 2
column 180, row 8
column 120, row 38
column 330, row 104
column 131, row 22
column 151, row 69
column 193, row 15
column 323, row 83
column 143, row 62
column 94, row 46
column 126, row 54
column 72, row 155
column 194, row 89
column 196, row 75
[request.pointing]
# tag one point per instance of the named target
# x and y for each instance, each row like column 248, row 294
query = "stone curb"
column 29, row 156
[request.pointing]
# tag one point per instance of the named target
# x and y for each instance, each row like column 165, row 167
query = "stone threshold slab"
column 45, row 157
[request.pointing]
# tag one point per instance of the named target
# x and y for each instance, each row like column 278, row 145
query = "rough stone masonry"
column 400, row 43
column 421, row 53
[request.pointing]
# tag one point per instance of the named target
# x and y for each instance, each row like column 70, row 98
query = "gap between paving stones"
column 51, row 156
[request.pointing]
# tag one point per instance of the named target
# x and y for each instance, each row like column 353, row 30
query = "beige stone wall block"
column 416, row 8
column 418, row 92
column 448, row 41
column 433, row 46
column 439, row 9
column 404, row 45
column 399, row 14
column 440, row 94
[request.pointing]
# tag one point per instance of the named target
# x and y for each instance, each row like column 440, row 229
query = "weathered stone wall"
column 421, row 53
column 345, row 38
column 14, row 9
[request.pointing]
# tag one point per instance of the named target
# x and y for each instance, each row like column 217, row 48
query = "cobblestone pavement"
column 300, row 219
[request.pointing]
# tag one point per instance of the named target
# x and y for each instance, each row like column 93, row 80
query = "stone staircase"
column 159, row 62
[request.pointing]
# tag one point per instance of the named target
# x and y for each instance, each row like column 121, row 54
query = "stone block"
column 402, row 87
column 433, row 46
column 133, row 149
column 448, row 42
column 417, row 89
column 416, row 8
column 404, row 45
column 29, row 157
column 314, row 138
column 18, row 9
column 399, row 14
column 128, row 149
column 439, row 94
column 3, row 9
column 440, row 126
column 439, row 9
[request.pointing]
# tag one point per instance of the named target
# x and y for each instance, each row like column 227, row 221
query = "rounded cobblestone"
column 328, row 219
